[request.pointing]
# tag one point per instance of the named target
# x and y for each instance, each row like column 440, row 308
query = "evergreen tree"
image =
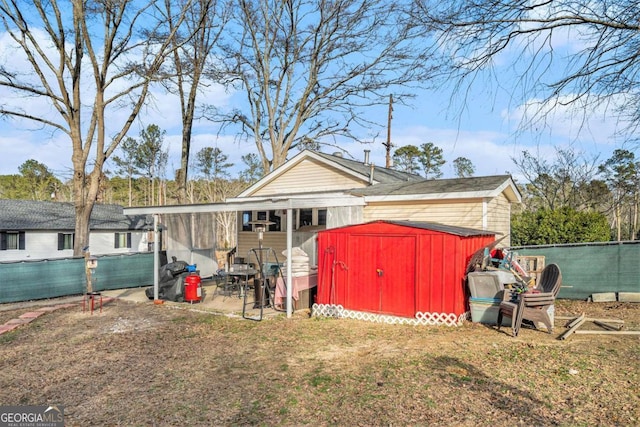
column 463, row 167
column 431, row 160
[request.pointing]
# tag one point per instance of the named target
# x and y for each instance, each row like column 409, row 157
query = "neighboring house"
column 32, row 230
column 346, row 192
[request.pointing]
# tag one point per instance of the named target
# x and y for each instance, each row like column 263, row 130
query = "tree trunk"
column 182, row 174
column 85, row 191
column 130, row 191
column 618, row 222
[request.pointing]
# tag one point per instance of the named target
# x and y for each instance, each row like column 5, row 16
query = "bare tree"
column 603, row 69
column 85, row 59
column 202, row 29
column 622, row 174
column 213, row 165
column 566, row 181
column 313, row 70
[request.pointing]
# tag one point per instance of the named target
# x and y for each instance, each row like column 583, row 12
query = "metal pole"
column 156, row 256
column 289, row 277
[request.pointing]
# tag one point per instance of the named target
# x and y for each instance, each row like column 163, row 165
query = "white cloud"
column 54, row 151
column 489, row 151
column 588, row 129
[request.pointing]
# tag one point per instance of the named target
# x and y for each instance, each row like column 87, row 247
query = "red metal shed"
column 398, row 268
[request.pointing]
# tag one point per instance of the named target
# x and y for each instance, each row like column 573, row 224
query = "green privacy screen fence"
column 32, row 280
column 586, row 269
column 592, row 267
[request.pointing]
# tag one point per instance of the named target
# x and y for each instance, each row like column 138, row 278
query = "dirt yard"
column 147, row 365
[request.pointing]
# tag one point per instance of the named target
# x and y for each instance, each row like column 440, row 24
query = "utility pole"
column 388, row 144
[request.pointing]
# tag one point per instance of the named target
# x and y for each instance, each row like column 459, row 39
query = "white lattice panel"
column 446, row 319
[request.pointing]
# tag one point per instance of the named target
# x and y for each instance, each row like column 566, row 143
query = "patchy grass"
column 150, row 365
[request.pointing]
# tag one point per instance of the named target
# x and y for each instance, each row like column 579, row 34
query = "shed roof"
column 423, row 225
column 39, row 215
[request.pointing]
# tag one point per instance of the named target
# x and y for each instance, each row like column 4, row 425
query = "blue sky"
column 486, row 132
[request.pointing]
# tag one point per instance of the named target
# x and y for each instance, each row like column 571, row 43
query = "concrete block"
column 604, row 297
column 629, row 296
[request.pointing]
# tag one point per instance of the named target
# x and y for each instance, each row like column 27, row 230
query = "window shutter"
column 21, row 241
column 3, row 241
column 60, row 241
column 129, row 240
column 116, row 240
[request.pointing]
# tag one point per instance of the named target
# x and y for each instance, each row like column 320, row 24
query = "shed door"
column 382, row 274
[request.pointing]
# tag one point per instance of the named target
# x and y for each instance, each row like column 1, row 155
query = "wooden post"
column 608, row 332
column 388, row 144
column 87, row 271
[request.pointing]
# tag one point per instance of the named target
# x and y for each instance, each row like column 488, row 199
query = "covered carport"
column 287, row 203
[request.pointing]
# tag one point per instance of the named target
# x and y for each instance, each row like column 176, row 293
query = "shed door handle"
column 380, row 272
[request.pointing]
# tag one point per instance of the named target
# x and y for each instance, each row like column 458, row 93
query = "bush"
column 564, row 225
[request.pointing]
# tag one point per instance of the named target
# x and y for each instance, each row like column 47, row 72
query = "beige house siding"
column 499, row 217
column 307, row 177
column 462, row 214
column 277, row 240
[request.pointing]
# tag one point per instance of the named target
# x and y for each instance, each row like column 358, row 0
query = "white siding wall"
column 44, row 245
column 307, row 177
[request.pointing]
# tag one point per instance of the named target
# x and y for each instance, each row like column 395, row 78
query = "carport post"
column 156, row 256
column 289, row 278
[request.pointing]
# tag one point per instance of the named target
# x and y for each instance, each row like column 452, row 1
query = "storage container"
column 485, row 310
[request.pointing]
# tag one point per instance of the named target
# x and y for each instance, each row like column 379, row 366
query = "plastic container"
column 485, row 310
column 484, row 285
column 192, row 288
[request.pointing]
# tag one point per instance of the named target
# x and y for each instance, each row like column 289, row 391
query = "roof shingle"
column 37, row 215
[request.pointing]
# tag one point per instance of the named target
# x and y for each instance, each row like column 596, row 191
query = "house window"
column 278, row 218
column 306, row 217
column 275, row 217
column 246, row 219
column 322, row 217
column 12, row 240
column 65, row 241
column 272, row 216
column 122, row 240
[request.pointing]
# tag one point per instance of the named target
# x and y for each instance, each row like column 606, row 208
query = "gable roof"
column 380, row 174
column 353, row 168
column 473, row 187
column 36, row 215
